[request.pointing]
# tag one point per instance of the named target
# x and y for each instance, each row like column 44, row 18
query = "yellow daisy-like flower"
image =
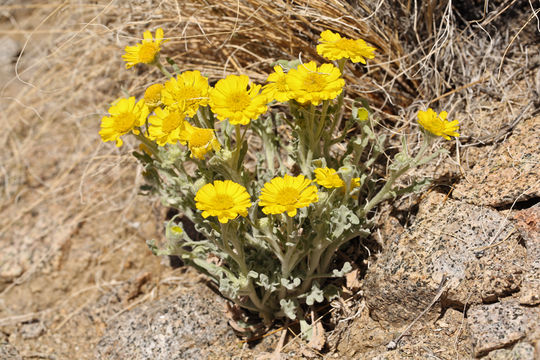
column 231, row 99
column 145, row 52
column 186, row 92
column 287, row 194
column 277, row 89
column 152, row 95
column 313, row 84
column 333, row 47
column 328, row 178
column 166, row 126
column 437, row 124
column 125, row 116
column 224, row 199
column 199, row 140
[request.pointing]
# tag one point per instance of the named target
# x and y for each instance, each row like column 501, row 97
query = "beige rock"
column 508, row 173
column 465, row 254
column 499, row 325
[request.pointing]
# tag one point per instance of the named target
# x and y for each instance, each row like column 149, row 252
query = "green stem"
column 162, row 69
column 285, row 264
column 322, row 119
column 336, row 118
column 341, row 65
column 237, row 149
column 150, row 145
column 239, row 258
column 384, row 193
column 311, row 126
column 330, row 250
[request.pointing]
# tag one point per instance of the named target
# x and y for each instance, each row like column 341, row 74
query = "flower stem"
column 150, row 145
column 238, row 256
column 162, row 69
column 384, row 193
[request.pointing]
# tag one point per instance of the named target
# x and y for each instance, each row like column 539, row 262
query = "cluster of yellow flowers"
column 166, row 110
column 234, row 98
column 227, row 199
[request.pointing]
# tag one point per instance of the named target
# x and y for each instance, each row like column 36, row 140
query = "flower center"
column 223, row 202
column 124, row 122
column 187, row 93
column 201, row 137
column 187, row 98
column 148, row 52
column 314, row 82
column 171, row 122
column 281, row 84
column 345, row 44
column 239, row 101
column 288, row 196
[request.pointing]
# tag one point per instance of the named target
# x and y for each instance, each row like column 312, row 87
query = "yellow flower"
column 126, row 116
column 333, row 47
column 287, row 194
column 277, row 88
column 437, row 124
column 165, row 126
column 144, row 52
column 187, row 92
column 231, row 99
column 310, row 83
column 224, row 199
column 199, row 140
column 152, row 95
column 328, row 178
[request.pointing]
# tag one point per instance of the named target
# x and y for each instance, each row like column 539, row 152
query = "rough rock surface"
column 508, row 173
column 8, row 351
column 495, row 326
column 446, row 338
column 528, row 223
column 521, row 351
column 455, row 254
column 182, row 326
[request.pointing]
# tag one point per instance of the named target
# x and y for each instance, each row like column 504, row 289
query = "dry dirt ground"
column 73, row 225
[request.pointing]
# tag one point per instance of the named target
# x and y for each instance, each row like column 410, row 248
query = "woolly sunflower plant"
column 274, row 214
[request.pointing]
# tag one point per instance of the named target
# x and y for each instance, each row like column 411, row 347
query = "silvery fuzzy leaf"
column 290, row 285
column 342, row 219
column 344, row 270
column 228, row 287
column 288, row 307
column 306, row 330
column 316, row 295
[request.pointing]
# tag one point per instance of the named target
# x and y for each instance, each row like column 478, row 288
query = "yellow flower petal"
column 287, row 194
column 328, row 178
column 187, row 92
column 312, row 84
column 144, row 52
column 437, row 125
column 126, row 116
column 224, row 199
column 334, row 47
column 232, row 99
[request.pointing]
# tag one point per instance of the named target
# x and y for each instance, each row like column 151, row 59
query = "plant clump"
column 275, row 219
